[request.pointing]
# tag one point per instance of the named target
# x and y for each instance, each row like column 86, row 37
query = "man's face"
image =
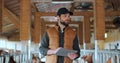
column 64, row 19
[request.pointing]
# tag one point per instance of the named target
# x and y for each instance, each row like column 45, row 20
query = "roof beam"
column 15, row 5
column 13, row 18
column 82, row 13
column 62, row 0
column 9, row 3
column 108, row 25
column 113, row 13
column 34, row 7
column 8, row 28
column 83, row 0
column 72, row 7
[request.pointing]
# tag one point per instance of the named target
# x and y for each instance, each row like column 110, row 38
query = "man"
column 60, row 36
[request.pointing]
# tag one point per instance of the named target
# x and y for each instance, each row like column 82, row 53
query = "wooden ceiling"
column 12, row 11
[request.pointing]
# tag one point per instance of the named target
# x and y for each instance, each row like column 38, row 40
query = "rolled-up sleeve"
column 76, row 46
column 44, row 43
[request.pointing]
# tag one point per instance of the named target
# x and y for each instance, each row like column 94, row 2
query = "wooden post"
column 86, row 26
column 13, row 18
column 25, row 19
column 81, row 32
column 43, row 27
column 99, row 24
column 25, row 35
column 1, row 13
column 72, row 7
column 37, row 27
column 99, row 14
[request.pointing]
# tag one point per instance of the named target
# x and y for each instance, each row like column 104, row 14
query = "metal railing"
column 102, row 55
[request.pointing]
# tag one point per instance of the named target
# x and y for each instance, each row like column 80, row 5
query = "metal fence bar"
column 103, row 55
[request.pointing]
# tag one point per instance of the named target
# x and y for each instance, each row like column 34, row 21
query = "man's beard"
column 63, row 23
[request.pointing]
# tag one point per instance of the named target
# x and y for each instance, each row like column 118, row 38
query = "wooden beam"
column 43, row 27
column 16, row 4
column 86, row 29
column 34, row 7
column 72, row 7
column 106, row 27
column 49, row 1
column 84, row 1
column 37, row 26
column 25, row 19
column 81, row 33
column 13, row 18
column 82, row 13
column 115, row 4
column 113, row 13
column 1, row 16
column 8, row 28
column 14, row 37
column 99, row 23
column 72, row 22
column 11, row 2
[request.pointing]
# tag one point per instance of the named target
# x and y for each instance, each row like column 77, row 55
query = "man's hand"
column 72, row 55
column 51, row 52
column 57, row 49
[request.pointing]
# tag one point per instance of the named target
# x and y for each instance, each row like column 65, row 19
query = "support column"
column 25, row 19
column 99, row 14
column 99, row 24
column 81, row 32
column 86, row 29
column 1, row 13
column 37, row 28
column 43, row 27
